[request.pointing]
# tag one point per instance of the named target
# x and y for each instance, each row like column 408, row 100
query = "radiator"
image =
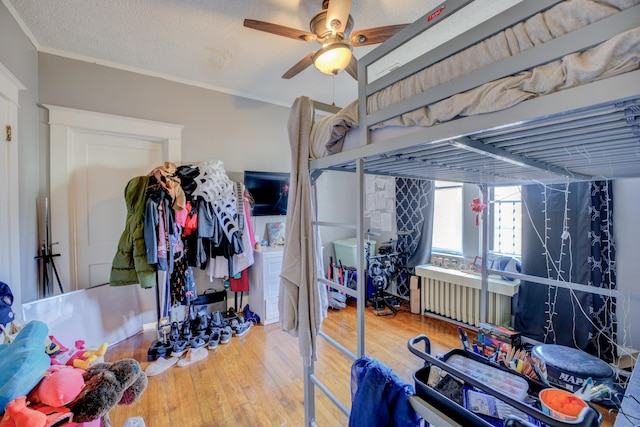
column 456, row 295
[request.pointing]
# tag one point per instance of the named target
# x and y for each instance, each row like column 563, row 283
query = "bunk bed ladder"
column 310, row 379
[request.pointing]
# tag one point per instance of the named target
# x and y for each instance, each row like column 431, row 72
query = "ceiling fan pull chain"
column 333, row 91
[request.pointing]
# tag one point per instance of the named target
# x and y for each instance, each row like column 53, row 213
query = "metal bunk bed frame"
column 506, row 147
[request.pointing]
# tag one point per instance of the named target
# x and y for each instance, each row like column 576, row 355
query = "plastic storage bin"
column 346, row 251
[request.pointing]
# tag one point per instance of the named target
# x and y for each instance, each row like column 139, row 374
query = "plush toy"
column 17, row 414
column 77, row 356
column 60, row 385
column 86, row 358
column 108, row 385
column 20, row 414
column 23, row 362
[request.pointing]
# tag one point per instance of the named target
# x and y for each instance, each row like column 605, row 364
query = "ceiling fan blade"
column 300, row 66
column 338, row 15
column 352, row 68
column 374, row 35
column 280, row 30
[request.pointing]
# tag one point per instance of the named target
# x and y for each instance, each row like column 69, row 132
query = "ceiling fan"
column 330, row 27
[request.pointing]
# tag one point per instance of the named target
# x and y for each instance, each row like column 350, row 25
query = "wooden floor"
column 257, row 380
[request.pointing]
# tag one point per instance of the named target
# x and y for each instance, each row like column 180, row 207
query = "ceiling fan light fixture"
column 332, row 58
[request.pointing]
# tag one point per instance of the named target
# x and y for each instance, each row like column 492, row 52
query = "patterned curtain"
column 567, row 234
column 603, row 272
column 414, row 222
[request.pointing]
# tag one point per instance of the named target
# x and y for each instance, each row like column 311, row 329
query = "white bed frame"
column 591, row 139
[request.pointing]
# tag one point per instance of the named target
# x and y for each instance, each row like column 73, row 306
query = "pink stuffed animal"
column 60, row 385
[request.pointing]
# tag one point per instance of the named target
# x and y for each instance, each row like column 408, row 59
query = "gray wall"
column 243, row 133
column 19, row 56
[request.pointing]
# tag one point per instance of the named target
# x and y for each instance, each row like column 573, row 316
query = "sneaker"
column 225, row 335
column 174, row 334
column 234, row 324
column 214, row 339
column 242, row 329
column 186, row 330
column 178, row 348
column 202, row 324
column 217, row 321
column 197, row 342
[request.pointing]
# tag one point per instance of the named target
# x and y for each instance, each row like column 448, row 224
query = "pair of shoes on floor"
column 193, row 355
column 240, row 328
column 160, row 365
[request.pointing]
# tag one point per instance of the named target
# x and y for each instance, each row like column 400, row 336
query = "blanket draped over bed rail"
column 299, row 302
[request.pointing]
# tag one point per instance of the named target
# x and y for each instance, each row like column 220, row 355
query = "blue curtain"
column 567, row 234
column 414, row 213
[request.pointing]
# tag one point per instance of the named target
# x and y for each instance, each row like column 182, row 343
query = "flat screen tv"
column 270, row 192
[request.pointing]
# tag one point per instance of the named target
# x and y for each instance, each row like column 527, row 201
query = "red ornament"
column 477, row 206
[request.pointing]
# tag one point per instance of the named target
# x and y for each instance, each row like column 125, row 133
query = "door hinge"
column 8, row 127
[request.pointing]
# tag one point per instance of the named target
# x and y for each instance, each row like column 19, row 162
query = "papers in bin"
column 486, row 405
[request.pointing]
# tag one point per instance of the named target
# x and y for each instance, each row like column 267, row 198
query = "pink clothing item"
column 181, row 215
column 249, row 226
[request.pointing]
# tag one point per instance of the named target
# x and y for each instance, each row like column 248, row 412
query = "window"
column 506, row 218
column 447, row 217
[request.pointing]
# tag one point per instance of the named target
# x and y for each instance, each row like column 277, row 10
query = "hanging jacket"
column 379, row 397
column 130, row 261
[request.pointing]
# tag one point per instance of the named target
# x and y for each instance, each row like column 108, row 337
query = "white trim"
column 64, row 123
column 10, row 86
column 102, row 122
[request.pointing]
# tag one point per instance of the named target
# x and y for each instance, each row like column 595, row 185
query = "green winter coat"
column 130, row 262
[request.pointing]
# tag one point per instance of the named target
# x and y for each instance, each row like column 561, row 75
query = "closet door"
column 93, row 157
column 9, row 217
column 102, row 166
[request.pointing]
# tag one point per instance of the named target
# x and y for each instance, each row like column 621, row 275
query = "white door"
column 92, row 158
column 102, row 167
column 9, row 212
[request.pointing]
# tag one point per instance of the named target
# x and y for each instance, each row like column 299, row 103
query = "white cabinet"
column 264, row 276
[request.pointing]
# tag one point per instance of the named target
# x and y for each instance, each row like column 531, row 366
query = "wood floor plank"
column 257, row 379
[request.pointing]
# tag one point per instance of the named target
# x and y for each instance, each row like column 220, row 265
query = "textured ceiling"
column 204, row 42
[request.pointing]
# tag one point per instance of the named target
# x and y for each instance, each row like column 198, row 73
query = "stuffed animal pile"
column 33, row 393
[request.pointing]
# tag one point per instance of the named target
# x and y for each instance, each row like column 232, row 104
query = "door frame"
column 64, row 123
